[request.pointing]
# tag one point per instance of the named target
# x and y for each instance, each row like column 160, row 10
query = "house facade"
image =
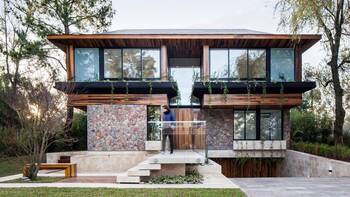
column 230, row 89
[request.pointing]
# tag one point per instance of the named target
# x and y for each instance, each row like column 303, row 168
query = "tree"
column 41, row 125
column 64, row 16
column 332, row 19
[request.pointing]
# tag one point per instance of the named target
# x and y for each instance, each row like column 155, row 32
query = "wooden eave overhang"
column 132, row 87
column 304, row 41
column 202, row 88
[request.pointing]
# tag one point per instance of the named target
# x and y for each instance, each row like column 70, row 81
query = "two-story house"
column 238, row 85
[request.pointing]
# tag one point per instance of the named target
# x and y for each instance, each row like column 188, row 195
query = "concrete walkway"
column 294, row 186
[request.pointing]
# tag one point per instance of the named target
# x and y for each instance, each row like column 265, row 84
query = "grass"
column 86, row 192
column 37, row 180
column 11, row 165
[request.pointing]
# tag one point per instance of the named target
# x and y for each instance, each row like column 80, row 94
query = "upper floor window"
column 282, row 64
column 86, row 62
column 238, row 64
column 131, row 63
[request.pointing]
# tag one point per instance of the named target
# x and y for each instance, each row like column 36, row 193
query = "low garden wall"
column 299, row 164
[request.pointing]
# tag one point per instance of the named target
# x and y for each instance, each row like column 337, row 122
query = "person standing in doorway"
column 168, row 129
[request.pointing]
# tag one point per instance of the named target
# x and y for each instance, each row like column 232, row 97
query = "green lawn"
column 11, row 165
column 76, row 192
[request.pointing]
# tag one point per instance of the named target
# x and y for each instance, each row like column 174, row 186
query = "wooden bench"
column 70, row 170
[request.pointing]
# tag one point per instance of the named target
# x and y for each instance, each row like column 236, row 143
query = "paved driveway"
column 293, row 186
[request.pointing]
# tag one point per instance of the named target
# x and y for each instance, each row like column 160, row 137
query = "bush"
column 192, row 177
column 310, row 127
column 325, row 150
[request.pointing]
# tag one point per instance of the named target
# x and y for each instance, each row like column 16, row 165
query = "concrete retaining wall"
column 104, row 161
column 298, row 164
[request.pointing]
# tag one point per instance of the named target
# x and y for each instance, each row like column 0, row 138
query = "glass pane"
column 250, row 125
column 184, row 77
column 151, row 63
column 282, row 64
column 153, row 129
column 132, row 63
column 218, row 63
column 257, row 63
column 112, row 63
column 271, row 125
column 238, row 125
column 86, row 62
column 238, row 63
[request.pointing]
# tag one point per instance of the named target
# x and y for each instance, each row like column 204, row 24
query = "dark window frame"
column 267, row 65
column 102, row 77
column 258, row 124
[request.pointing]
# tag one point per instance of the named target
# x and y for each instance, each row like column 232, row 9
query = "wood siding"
column 231, row 167
column 164, row 63
column 205, row 61
column 268, row 100
column 70, row 62
column 188, row 137
column 82, row 100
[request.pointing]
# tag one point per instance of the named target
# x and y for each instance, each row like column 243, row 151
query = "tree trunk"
column 339, row 109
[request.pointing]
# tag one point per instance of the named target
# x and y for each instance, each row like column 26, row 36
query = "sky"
column 204, row 14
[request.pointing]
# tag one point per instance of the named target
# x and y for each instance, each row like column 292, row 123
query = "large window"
column 131, row 63
column 257, row 125
column 150, row 63
column 153, row 127
column 238, row 64
column 282, row 64
column 86, row 62
column 244, row 125
column 271, row 125
column 112, row 63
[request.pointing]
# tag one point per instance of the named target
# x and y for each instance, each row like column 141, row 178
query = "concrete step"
column 137, row 172
column 149, row 166
column 128, row 179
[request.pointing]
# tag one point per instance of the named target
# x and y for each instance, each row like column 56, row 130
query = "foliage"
column 85, row 192
column 192, row 177
column 8, row 116
column 331, row 18
column 11, row 165
column 325, row 150
column 310, row 127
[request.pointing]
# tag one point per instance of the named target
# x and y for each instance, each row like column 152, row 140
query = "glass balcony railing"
column 186, row 135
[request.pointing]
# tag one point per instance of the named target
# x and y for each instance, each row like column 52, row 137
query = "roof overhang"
column 304, row 41
column 142, row 87
column 201, row 88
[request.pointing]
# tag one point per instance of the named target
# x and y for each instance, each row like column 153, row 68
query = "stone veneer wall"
column 116, row 127
column 219, row 128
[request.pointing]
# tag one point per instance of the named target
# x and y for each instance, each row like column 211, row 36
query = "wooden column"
column 298, row 64
column 70, row 62
column 205, row 62
column 164, row 63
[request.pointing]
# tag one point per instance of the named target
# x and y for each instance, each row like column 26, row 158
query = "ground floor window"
column 245, row 125
column 153, row 127
column 257, row 125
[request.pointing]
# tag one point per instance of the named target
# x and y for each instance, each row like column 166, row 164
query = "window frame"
column 248, row 78
column 102, row 77
column 258, row 125
column 245, row 125
column 75, row 67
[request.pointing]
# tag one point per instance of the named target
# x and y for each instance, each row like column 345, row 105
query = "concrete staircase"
column 154, row 163
column 134, row 174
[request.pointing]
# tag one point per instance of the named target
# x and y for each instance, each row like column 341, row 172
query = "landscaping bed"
column 86, row 192
column 192, row 177
column 37, row 180
column 323, row 150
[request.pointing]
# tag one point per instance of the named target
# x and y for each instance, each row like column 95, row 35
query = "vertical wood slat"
column 298, row 64
column 205, row 62
column 70, row 62
column 164, row 63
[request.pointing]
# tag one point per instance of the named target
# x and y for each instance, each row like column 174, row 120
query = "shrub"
column 192, row 177
column 325, row 150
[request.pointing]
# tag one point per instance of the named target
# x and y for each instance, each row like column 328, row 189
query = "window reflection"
column 132, row 63
column 271, row 125
column 151, row 63
column 86, row 62
column 112, row 63
column 257, row 63
column 238, row 64
column 244, row 125
column 282, row 64
column 218, row 63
